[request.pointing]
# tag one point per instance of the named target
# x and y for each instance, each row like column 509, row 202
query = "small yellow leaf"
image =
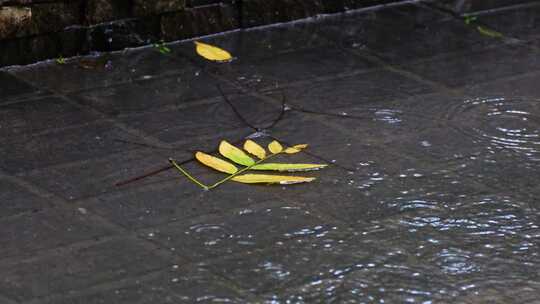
column 216, row 163
column 236, row 155
column 254, row 148
column 288, row 167
column 211, row 52
column 295, row 149
column 275, row 147
column 271, row 179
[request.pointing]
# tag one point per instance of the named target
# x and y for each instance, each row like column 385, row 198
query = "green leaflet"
column 288, row 167
column 271, row 179
column 236, row 155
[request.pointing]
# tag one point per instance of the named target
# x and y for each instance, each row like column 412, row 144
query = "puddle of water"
column 446, row 234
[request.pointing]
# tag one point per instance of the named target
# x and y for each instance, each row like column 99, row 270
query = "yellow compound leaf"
column 255, row 149
column 288, row 167
column 271, row 179
column 275, row 147
column 236, row 155
column 211, row 52
column 216, row 163
column 295, row 149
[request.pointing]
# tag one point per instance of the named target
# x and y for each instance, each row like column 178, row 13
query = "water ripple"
column 501, row 123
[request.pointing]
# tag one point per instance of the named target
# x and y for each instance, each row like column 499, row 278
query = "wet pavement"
column 431, row 123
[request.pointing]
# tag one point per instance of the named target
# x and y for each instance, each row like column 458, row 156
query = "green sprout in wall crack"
column 162, row 48
column 60, row 60
column 469, row 19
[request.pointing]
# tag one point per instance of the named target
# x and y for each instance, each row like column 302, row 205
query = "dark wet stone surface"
column 61, row 146
column 32, row 232
column 476, row 67
column 95, row 264
column 421, row 33
column 104, row 71
column 430, row 125
column 38, row 115
column 13, row 88
column 19, row 200
column 176, row 284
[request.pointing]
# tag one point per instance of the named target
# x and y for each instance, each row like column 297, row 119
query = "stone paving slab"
column 90, row 177
column 30, row 152
column 50, row 228
column 13, row 88
column 77, row 269
column 201, row 119
column 104, row 71
column 362, row 89
column 18, row 199
column 171, row 201
column 34, row 116
column 420, row 32
column 176, row 284
column 143, row 96
column 233, row 233
column 520, row 85
column 477, row 67
column 419, row 203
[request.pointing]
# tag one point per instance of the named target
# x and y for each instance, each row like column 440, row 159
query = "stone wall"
column 33, row 30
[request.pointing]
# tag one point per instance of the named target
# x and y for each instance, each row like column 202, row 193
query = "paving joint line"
column 67, row 206
column 131, row 131
column 116, row 84
column 58, row 201
column 51, row 252
column 54, row 130
column 26, row 98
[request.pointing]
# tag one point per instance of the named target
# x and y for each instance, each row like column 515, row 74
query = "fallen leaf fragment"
column 488, row 32
column 211, row 52
column 216, row 163
column 236, row 155
column 288, row 167
column 271, row 179
column 94, row 63
column 255, row 149
column 275, row 147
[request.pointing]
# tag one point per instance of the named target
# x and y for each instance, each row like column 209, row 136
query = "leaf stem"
column 191, row 178
column 205, row 187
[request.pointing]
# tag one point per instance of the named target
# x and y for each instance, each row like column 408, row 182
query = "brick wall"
column 32, row 30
